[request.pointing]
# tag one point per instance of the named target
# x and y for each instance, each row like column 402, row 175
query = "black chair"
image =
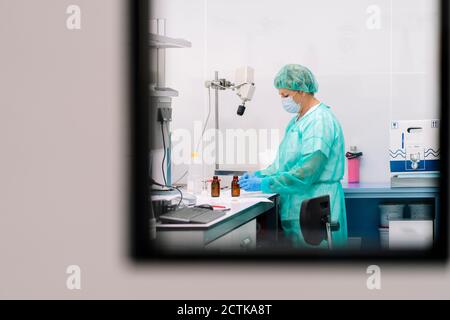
column 315, row 221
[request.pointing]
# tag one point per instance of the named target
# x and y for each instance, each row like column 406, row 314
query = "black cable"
column 170, row 142
column 181, row 196
column 171, row 188
column 164, row 157
column 163, row 171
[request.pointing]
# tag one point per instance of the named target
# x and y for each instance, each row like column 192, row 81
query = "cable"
column 181, row 196
column 182, row 176
column 163, row 171
column 206, row 121
column 170, row 189
column 165, row 151
column 169, row 160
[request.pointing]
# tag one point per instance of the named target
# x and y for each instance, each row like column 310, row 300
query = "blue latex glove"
column 246, row 175
column 251, row 184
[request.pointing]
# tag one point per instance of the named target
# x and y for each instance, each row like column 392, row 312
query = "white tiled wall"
column 367, row 76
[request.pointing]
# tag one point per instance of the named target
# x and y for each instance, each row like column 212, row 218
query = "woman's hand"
column 246, row 175
column 251, row 184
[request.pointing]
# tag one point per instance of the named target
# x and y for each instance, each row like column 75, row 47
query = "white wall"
column 367, row 76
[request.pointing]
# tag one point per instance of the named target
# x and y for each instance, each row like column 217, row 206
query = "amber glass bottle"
column 235, row 188
column 215, row 187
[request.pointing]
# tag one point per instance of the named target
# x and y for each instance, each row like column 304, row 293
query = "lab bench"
column 246, row 226
column 363, row 216
column 249, row 226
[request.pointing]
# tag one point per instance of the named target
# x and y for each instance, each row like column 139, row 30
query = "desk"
column 362, row 200
column 247, row 225
column 236, row 231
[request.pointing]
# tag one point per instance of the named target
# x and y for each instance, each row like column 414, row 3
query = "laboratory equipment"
column 411, row 234
column 160, row 115
column 315, row 221
column 161, row 106
column 353, row 162
column 384, row 238
column 421, row 211
column 414, row 153
column 390, row 211
column 215, row 187
column 235, row 188
column 160, row 207
column 245, row 88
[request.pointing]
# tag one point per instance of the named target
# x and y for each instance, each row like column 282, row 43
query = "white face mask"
column 290, row 105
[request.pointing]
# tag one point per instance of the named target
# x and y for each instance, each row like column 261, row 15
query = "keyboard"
column 191, row 215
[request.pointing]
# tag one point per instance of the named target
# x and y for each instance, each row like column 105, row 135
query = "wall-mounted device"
column 414, row 152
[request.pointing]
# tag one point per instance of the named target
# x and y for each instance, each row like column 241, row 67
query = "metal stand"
column 330, row 241
column 223, row 84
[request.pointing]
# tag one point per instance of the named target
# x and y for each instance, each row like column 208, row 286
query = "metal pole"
column 330, row 242
column 161, row 56
column 216, row 118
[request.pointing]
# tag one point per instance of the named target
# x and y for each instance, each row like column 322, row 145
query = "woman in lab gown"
column 310, row 160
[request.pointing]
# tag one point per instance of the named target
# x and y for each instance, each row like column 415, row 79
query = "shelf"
column 385, row 191
column 162, row 92
column 163, row 42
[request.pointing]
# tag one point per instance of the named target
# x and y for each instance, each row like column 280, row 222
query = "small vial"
column 235, row 188
column 215, row 187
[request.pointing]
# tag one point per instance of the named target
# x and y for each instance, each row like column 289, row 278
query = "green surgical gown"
column 310, row 163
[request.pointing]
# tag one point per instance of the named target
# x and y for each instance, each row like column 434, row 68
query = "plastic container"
column 353, row 163
column 421, row 211
column 353, row 170
column 384, row 238
column 390, row 212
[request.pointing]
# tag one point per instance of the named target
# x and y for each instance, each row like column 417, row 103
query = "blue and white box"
column 414, row 147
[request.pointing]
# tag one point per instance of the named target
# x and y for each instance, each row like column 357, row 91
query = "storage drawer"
column 237, row 240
